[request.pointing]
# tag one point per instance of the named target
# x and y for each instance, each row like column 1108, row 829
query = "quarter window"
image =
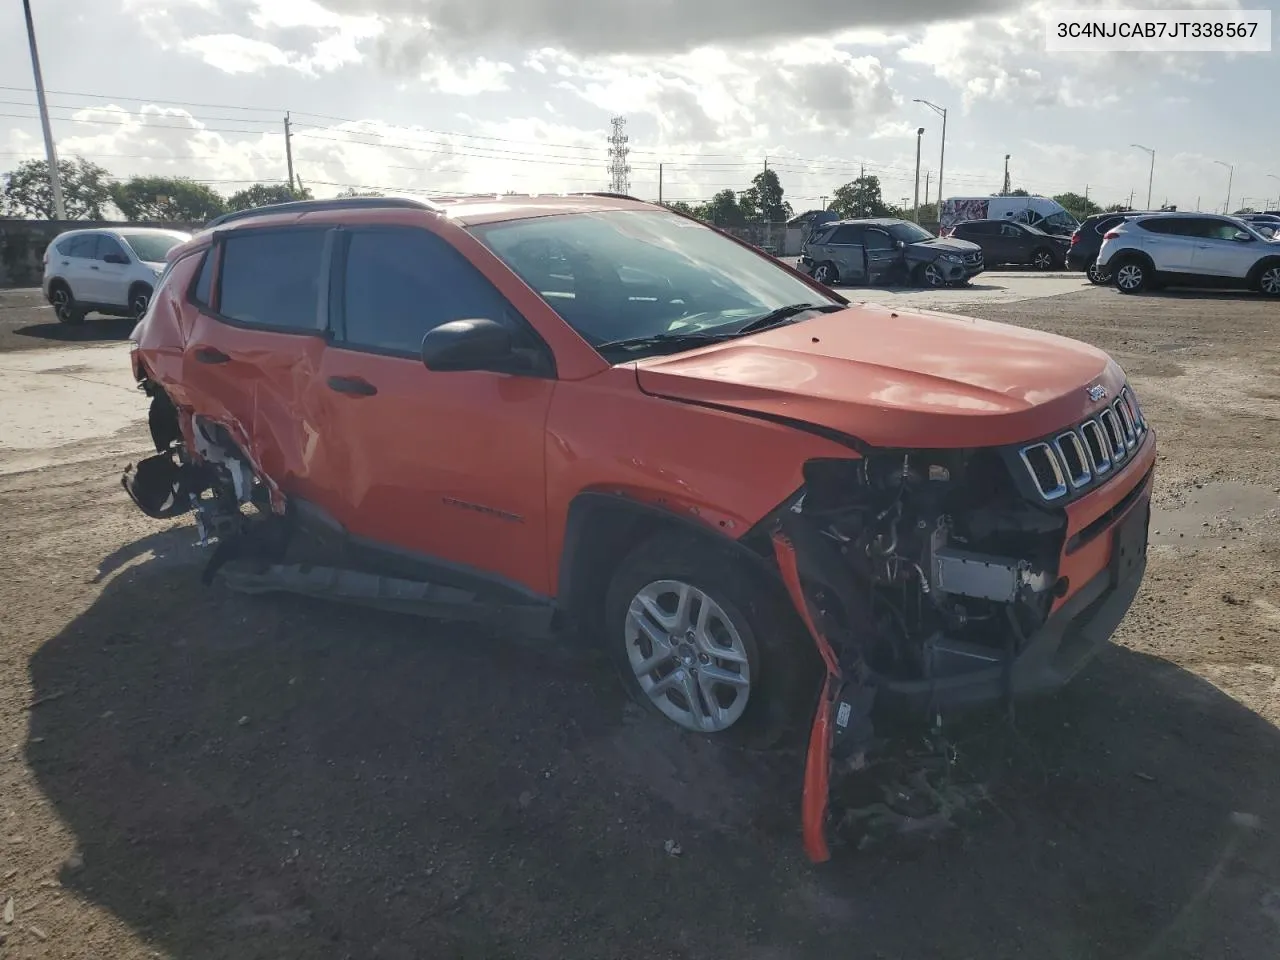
column 272, row 278
column 400, row 284
column 204, row 280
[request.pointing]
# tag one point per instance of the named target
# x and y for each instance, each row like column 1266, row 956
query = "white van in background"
column 1048, row 215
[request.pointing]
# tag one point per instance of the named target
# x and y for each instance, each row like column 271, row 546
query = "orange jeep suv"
column 594, row 408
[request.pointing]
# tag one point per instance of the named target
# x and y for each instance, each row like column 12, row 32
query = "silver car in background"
column 1190, row 250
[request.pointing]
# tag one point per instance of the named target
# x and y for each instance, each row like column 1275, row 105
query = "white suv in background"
column 110, row 271
column 1190, row 250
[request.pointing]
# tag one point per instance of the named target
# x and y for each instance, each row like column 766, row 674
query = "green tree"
column 1118, row 208
column 263, row 194
column 724, row 210
column 351, row 193
column 860, row 198
column 1078, row 206
column 167, row 198
column 764, row 200
column 86, row 189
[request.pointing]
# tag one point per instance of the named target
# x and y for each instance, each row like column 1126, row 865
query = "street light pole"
column 50, row 149
column 1231, row 172
column 919, row 134
column 1151, row 176
column 942, row 157
column 1005, row 188
column 1274, row 177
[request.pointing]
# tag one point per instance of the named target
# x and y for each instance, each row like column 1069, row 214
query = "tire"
column 1133, row 275
column 1096, row 275
column 826, row 274
column 928, row 275
column 64, row 304
column 1268, row 282
column 1043, row 259
column 139, row 300
column 765, row 666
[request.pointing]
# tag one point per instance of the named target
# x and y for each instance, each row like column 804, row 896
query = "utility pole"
column 1006, row 174
column 1152, row 174
column 824, row 204
column 50, row 148
column 659, row 183
column 1130, row 199
column 1086, row 194
column 919, row 135
column 288, row 148
column 926, row 187
column 942, row 157
column 1231, row 172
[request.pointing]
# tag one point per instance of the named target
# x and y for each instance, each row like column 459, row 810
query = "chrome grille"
column 1084, row 455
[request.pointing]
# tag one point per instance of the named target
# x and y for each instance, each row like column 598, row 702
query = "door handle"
column 356, row 386
column 211, row 355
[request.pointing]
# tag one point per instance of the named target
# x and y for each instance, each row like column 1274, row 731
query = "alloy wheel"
column 823, row 274
column 140, row 304
column 1269, row 282
column 1129, row 277
column 688, row 656
column 933, row 276
column 1096, row 274
column 62, row 303
column 1042, row 260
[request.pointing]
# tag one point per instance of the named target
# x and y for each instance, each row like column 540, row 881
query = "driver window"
column 107, row 246
column 878, row 240
column 402, row 283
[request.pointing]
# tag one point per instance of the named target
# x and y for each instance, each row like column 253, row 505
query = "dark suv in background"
column 887, row 250
column 1006, row 242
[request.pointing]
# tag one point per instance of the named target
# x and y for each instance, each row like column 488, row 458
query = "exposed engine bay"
column 936, row 556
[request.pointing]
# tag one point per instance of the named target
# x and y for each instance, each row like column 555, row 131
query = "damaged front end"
column 929, row 582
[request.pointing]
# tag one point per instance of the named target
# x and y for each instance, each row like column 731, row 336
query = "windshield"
column 910, row 233
column 622, row 275
column 151, row 247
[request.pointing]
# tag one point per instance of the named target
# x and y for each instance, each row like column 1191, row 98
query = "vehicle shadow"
column 253, row 777
column 1184, row 293
column 94, row 330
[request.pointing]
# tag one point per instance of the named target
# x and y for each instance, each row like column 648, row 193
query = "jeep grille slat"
column 1083, row 457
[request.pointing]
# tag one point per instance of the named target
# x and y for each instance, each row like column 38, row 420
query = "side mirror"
column 1242, row 236
column 469, row 345
column 901, row 244
column 115, row 258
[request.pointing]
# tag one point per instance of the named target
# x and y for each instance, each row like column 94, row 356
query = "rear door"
column 845, row 250
column 1015, row 242
column 77, row 256
column 443, row 468
column 1171, row 241
column 986, row 234
column 258, row 342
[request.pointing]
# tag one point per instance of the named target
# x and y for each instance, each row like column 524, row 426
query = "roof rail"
column 612, row 196
column 315, row 206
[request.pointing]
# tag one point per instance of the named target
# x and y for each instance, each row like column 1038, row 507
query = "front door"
column 109, row 281
column 442, row 467
column 883, row 255
column 1217, row 252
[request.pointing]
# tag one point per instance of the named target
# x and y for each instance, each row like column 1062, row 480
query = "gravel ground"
column 189, row 773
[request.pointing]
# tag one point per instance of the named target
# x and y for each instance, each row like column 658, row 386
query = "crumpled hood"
column 946, row 245
column 896, row 378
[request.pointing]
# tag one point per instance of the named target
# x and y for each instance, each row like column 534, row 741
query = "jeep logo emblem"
column 1097, row 392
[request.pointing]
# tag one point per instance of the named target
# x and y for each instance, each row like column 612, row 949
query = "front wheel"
column 699, row 639
column 1269, row 280
column 1133, row 276
column 930, row 275
column 1096, row 274
column 139, row 300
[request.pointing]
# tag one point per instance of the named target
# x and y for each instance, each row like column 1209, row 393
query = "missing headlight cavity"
column 949, row 566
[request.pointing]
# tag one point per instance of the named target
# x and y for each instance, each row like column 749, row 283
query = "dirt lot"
column 188, row 773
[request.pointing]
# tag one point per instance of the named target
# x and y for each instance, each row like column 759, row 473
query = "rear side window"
column 271, row 278
column 401, row 283
column 1102, row 226
column 846, row 235
column 203, row 288
column 1157, row 226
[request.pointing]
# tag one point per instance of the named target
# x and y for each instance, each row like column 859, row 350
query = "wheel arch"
column 1271, row 260
column 602, row 528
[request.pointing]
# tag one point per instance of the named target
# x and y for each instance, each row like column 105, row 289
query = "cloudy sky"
column 493, row 95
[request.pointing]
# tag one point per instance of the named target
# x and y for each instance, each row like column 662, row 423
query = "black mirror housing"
column 469, row 345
